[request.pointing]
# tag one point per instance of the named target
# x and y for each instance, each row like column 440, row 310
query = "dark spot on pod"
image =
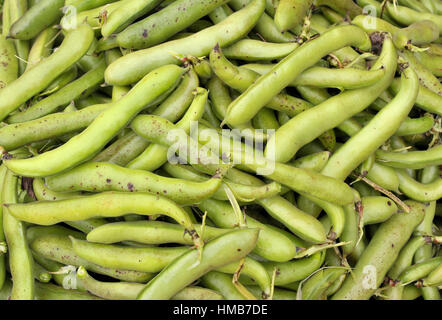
column 239, row 250
column 389, row 203
column 145, row 33
column 130, row 186
column 108, row 180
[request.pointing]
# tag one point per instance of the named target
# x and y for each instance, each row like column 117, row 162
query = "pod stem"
column 384, row 191
column 235, row 280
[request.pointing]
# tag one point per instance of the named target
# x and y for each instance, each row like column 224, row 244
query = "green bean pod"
column 418, row 33
column 295, row 178
column 50, row 126
column 419, row 191
column 129, row 290
column 20, row 258
column 3, row 171
column 315, row 161
column 125, row 14
column 36, row 19
column 93, row 17
column 332, row 111
column 132, row 67
column 376, row 132
column 380, row 254
column 150, row 232
column 404, row 260
column 377, row 209
column 59, row 248
column 291, row 13
column 272, row 244
column 222, row 283
column 426, row 99
column 426, row 78
column 434, row 278
column 106, row 204
column 265, row 26
column 123, row 150
column 77, row 89
column 17, row 9
column 155, row 155
column 221, row 251
column 407, row 16
column 147, row 259
column 8, row 62
column 241, row 79
column 74, row 46
column 163, row 24
column 41, row 47
column 255, row 50
column 47, row 291
column 103, row 128
column 82, row 5
column 411, row 159
column 431, row 62
column 243, row 193
column 103, row 176
column 420, row 270
column 295, row 270
column 267, row 86
column 319, row 77
column 315, row 287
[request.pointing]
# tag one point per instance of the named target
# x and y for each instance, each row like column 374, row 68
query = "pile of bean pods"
column 221, row 149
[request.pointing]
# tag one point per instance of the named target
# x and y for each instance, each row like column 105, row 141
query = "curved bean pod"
column 376, row 132
column 132, row 67
column 149, row 232
column 419, row 191
column 299, row 130
column 20, row 258
column 434, row 278
column 157, row 83
column 241, row 79
column 74, row 46
column 103, row 176
column 380, row 253
column 377, row 209
column 143, row 259
column 130, row 290
column 426, row 99
column 155, row 155
column 418, row 33
column 125, row 14
column 106, row 204
column 222, row 283
column 347, row 78
column 407, row 16
column 267, row 86
column 58, row 248
column 420, row 270
column 265, row 26
column 411, row 159
column 222, row 250
column 77, row 89
column 295, row 270
column 272, row 244
column 431, row 62
column 315, row 287
column 295, row 178
column 160, row 26
column 41, row 47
